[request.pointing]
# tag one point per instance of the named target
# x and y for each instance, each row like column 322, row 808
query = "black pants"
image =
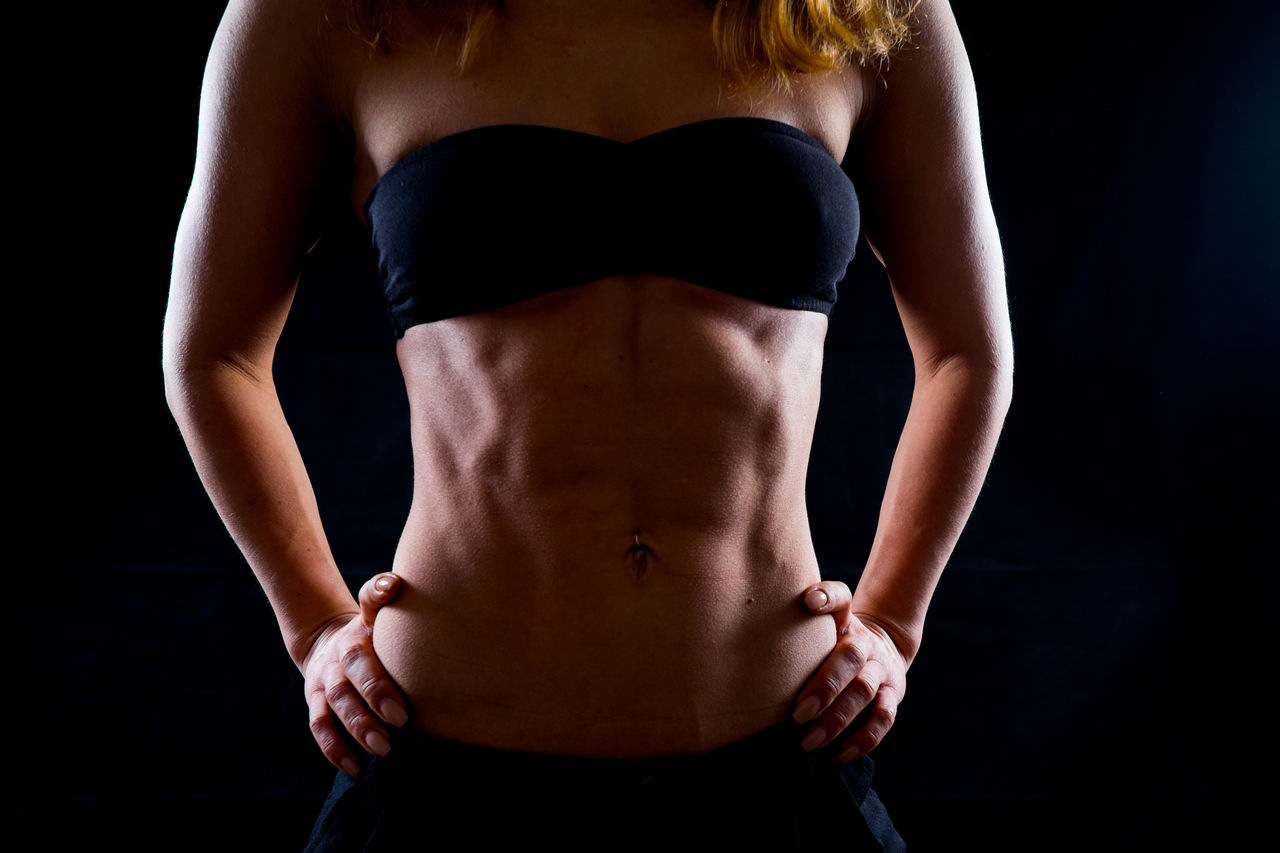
column 761, row 793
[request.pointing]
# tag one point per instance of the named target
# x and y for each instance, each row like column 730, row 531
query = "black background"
column 1092, row 671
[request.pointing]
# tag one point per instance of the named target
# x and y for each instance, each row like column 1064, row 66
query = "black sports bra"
column 497, row 214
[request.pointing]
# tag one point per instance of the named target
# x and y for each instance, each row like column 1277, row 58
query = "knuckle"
column 321, row 729
column 841, row 714
column 882, row 719
column 878, row 725
column 852, row 655
column 861, row 689
column 352, row 655
column 359, row 722
column 337, row 692
column 829, row 685
column 840, row 719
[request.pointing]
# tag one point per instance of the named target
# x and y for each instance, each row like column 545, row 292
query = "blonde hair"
column 754, row 40
column 779, row 39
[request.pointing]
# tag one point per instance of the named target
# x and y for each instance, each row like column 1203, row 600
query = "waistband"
column 415, row 752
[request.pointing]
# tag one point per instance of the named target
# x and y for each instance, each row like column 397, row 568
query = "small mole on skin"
column 750, row 601
column 250, row 503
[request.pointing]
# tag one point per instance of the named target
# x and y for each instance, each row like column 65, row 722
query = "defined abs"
column 608, row 539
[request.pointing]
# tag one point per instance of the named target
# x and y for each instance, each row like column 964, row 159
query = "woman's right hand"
column 346, row 685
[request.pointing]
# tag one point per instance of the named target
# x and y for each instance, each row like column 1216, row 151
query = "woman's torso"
column 608, row 537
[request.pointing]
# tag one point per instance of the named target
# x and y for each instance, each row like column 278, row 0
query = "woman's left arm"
column 927, row 215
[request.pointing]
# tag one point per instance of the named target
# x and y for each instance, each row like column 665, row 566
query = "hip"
column 762, row 792
column 683, row 661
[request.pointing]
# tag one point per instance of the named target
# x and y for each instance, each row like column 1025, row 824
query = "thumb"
column 377, row 592
column 834, row 598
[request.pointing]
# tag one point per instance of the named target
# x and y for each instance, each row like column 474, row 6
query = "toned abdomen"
column 608, row 540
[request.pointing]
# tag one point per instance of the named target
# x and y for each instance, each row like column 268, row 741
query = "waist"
column 758, row 752
column 708, row 643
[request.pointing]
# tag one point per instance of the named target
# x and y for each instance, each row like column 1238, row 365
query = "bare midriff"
column 608, row 539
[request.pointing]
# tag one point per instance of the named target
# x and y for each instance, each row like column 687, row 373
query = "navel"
column 638, row 557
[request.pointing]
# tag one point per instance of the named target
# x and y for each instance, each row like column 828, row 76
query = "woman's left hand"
column 866, row 668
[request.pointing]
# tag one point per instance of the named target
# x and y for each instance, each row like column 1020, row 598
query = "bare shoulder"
column 927, row 214
column 301, row 49
column 293, row 29
column 270, row 166
column 273, row 93
column 916, row 69
column 931, row 66
column 933, row 26
column 921, row 126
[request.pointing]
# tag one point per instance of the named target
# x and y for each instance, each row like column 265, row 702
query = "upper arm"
column 926, row 211
column 265, row 169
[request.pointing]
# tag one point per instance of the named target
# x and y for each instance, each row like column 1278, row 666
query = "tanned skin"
column 608, row 551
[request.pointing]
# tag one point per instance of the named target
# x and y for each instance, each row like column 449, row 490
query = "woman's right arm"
column 268, row 158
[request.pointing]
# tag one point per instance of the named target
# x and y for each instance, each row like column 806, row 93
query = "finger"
column 356, row 716
column 365, row 672
column 857, row 695
column 377, row 592
column 324, row 729
column 880, row 720
column 833, row 597
column 835, row 673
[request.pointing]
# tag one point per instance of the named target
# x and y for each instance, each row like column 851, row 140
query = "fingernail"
column 816, row 599
column 393, row 712
column 350, row 767
column 852, row 752
column 807, row 710
column 383, row 584
column 377, row 743
column 813, row 739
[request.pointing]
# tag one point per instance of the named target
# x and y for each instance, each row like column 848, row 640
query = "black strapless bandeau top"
column 494, row 215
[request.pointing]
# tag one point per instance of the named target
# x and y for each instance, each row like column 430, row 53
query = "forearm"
column 942, row 458
column 249, row 463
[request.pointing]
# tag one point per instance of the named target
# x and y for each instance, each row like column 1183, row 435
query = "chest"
column 621, row 78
